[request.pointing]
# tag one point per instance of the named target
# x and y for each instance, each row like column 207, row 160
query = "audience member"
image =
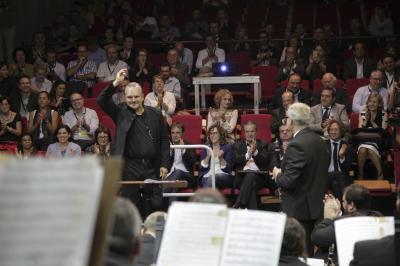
column 102, row 143
column 39, row 82
column 171, row 83
column 223, row 115
column 222, row 159
column 208, row 195
column 23, row 100
column 142, row 70
column 55, row 70
column 211, row 54
column 58, row 98
column 293, row 248
column 220, row 37
column 300, row 94
column 108, row 70
column 340, row 158
column 394, row 96
column 359, row 66
column 177, row 69
column 25, row 147
column 318, row 64
column 240, row 43
column 81, row 120
column 329, row 81
column 172, row 32
column 160, row 98
column 380, row 24
column 95, row 53
column 82, row 69
column 362, row 93
column 43, row 122
column 185, row 55
column 249, row 158
column 290, row 65
column 7, row 84
column 372, row 116
column 108, row 38
column 278, row 149
column 37, row 52
column 11, row 126
column 181, row 160
column 389, row 70
column 263, row 53
column 128, row 54
column 299, row 51
column 124, row 238
column 20, row 66
column 327, row 111
column 63, row 147
column 280, row 113
column 196, row 28
column 226, row 30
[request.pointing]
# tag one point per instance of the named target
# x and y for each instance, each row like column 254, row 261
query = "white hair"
column 299, row 113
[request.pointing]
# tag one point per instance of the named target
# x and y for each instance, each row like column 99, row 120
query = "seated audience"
column 211, row 54
column 279, row 114
column 160, row 98
column 20, row 66
column 380, row 24
column 263, row 54
column 82, row 69
column 249, row 158
column 329, row 81
column 297, row 49
column 185, row 55
column 58, row 99
column 222, row 158
column 328, row 110
column 128, row 54
column 123, row 239
column 26, row 147
column 102, row 143
column 37, row 52
column 171, row 83
column 11, row 125
column 223, row 115
column 356, row 201
column 8, row 84
column 240, row 41
column 290, row 64
column 108, row 70
column 39, row 82
column 178, row 70
column 142, row 70
column 277, row 149
column 181, row 160
column 340, row 155
column 318, row 64
column 82, row 121
column 394, row 96
column 63, row 147
column 196, row 28
column 146, row 255
column 362, row 93
column 372, row 116
column 23, row 100
column 43, row 122
column 360, row 66
column 55, row 70
column 95, row 52
column 171, row 31
column 300, row 94
column 389, row 70
column 293, row 248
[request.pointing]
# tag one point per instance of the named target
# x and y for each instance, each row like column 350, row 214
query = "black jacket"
column 123, row 118
column 188, row 158
column 345, row 166
column 15, row 102
column 239, row 153
column 375, row 252
column 350, row 68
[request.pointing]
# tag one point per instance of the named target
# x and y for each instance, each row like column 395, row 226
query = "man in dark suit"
column 23, row 100
column 141, row 135
column 360, row 66
column 280, row 113
column 249, row 158
column 277, row 149
column 303, row 176
column 300, row 95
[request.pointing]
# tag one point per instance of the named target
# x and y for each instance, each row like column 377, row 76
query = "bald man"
column 141, row 135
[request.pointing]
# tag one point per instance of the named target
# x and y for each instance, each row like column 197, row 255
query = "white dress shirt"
column 70, row 119
column 169, row 99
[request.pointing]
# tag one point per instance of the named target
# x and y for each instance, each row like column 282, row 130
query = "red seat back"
column 108, row 123
column 353, row 84
column 157, row 59
column 242, row 59
column 92, row 104
column 98, row 87
column 267, row 79
column 193, row 127
column 354, row 121
column 263, row 122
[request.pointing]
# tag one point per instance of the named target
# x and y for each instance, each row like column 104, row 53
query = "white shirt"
column 178, row 161
column 108, row 71
column 59, row 69
column 251, row 164
column 173, row 85
column 360, row 69
column 169, row 99
column 46, row 85
column 218, row 167
column 70, row 119
column 220, row 53
column 361, row 96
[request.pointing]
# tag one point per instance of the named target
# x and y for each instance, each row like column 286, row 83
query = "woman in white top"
column 63, row 147
column 223, row 115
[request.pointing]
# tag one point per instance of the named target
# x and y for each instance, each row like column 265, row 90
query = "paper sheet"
column 48, row 209
column 253, row 238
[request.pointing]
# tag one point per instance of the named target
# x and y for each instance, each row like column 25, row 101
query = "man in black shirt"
column 141, row 135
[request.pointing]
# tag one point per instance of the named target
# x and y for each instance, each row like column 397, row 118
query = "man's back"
column 374, row 252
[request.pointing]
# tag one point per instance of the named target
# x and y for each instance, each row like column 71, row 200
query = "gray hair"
column 299, row 113
column 150, row 223
column 133, row 85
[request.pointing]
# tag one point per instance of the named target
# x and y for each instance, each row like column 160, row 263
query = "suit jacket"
column 304, row 176
column 146, row 255
column 15, row 102
column 374, row 252
column 239, row 155
column 274, row 156
column 183, row 74
column 338, row 112
column 188, row 158
column 340, row 96
column 227, row 156
column 346, row 164
column 350, row 68
column 123, row 118
column 277, row 115
column 303, row 96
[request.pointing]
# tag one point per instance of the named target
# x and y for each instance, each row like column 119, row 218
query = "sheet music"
column 348, row 231
column 193, row 235
column 253, row 238
column 48, row 209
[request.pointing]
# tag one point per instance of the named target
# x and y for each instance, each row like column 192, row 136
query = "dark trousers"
column 221, row 181
column 249, row 184
column 337, row 182
column 308, row 226
column 181, row 175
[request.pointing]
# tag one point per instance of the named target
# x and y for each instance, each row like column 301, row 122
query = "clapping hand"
column 332, row 207
column 121, row 75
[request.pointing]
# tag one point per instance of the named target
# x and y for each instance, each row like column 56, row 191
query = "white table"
column 224, row 80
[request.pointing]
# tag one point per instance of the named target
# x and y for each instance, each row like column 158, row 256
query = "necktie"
column 335, row 157
column 325, row 115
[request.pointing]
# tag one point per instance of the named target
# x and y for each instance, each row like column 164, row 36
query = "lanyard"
column 109, row 69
